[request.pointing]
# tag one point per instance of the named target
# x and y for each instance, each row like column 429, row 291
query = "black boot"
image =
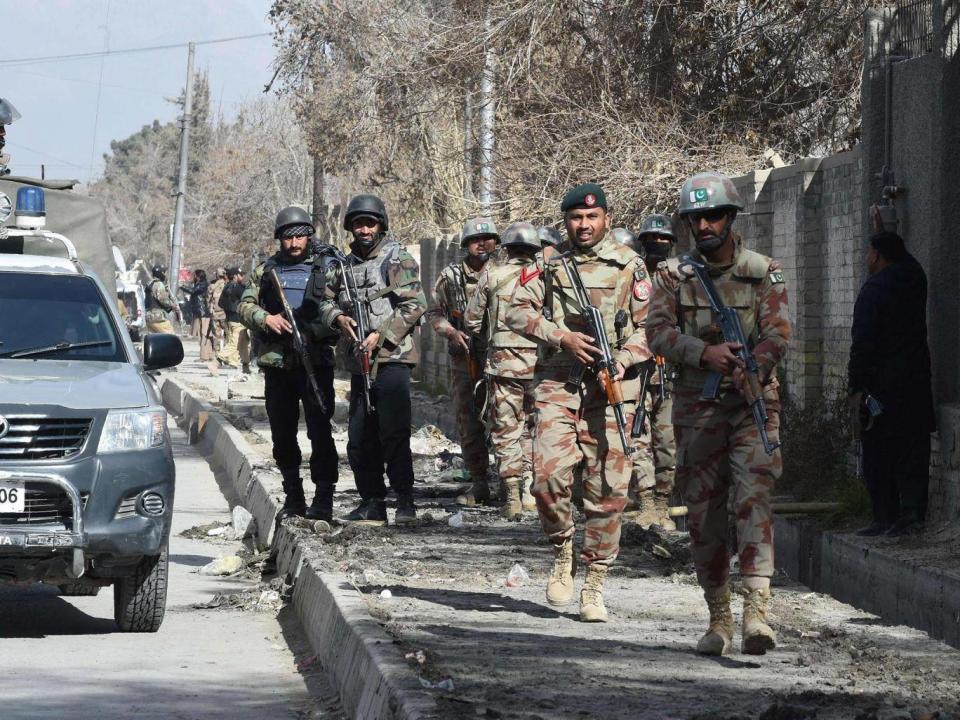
column 369, row 512
column 406, row 510
column 294, row 503
column 322, row 506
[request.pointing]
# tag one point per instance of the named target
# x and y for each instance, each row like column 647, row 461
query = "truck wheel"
column 78, row 588
column 140, row 599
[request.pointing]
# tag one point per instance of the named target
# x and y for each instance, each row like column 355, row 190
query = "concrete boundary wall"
column 367, row 669
column 899, row 591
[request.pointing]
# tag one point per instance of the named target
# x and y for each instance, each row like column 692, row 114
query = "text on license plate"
column 12, row 496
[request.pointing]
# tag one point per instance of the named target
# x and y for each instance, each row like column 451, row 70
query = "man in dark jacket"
column 890, row 363
column 236, row 348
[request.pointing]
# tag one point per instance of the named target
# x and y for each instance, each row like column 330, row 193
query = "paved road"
column 64, row 658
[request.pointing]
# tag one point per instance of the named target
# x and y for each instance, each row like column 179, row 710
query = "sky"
column 64, row 126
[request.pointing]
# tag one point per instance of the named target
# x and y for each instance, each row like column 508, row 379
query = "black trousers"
column 382, row 437
column 897, row 472
column 285, row 390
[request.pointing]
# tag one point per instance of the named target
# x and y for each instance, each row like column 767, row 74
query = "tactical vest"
column 502, row 281
column 601, row 279
column 739, row 288
column 150, row 300
column 293, row 280
column 372, row 280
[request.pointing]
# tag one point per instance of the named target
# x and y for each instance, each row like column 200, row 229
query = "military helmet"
column 709, row 191
column 366, row 206
column 478, row 228
column 658, row 225
column 549, row 237
column 293, row 221
column 158, row 272
column 8, row 113
column 522, row 235
column 624, row 237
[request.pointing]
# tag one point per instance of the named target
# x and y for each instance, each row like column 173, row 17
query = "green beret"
column 588, row 195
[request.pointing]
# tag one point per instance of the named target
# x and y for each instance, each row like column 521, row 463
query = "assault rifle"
column 640, row 417
column 604, row 366
column 458, row 321
column 299, row 344
column 356, row 312
column 662, row 377
column 732, row 332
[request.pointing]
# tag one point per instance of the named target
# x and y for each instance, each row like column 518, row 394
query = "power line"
column 126, row 51
column 103, row 58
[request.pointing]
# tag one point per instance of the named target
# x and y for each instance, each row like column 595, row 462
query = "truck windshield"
column 60, row 317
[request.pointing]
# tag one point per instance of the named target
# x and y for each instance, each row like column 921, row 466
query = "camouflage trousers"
column 473, row 442
column 511, row 402
column 663, row 444
column 566, row 439
column 654, row 452
column 718, row 452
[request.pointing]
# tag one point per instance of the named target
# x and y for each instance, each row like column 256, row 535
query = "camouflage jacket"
column 447, row 310
column 159, row 301
column 615, row 279
column 213, row 299
column 391, row 295
column 509, row 354
column 681, row 323
column 259, row 300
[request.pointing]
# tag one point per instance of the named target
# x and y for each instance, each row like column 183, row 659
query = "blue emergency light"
column 31, row 208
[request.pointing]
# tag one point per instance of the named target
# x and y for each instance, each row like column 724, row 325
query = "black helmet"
column 366, row 206
column 293, row 221
column 158, row 272
column 521, row 235
column 8, row 113
column 549, row 237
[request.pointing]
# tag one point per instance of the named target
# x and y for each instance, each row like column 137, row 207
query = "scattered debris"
column 517, row 576
column 229, row 565
column 385, row 594
column 456, row 520
column 445, row 684
column 244, row 524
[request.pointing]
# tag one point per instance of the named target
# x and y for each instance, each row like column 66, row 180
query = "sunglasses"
column 708, row 215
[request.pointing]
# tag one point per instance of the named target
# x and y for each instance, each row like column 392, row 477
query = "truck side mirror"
column 161, row 350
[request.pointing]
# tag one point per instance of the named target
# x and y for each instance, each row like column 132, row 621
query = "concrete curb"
column 868, row 578
column 371, row 677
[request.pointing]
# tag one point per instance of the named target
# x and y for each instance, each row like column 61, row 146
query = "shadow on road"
column 39, row 611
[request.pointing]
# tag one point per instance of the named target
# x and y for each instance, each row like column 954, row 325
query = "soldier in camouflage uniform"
column 159, row 302
column 511, row 359
column 285, row 380
column 574, row 425
column 390, row 296
column 719, row 449
column 454, row 287
column 655, row 243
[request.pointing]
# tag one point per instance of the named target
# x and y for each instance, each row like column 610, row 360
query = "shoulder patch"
column 528, row 274
column 776, row 276
column 641, row 289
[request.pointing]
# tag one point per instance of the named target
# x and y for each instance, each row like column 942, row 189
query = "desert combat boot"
column 560, row 582
column 513, row 507
column 757, row 635
column 477, row 494
column 719, row 636
column 661, row 503
column 592, row 608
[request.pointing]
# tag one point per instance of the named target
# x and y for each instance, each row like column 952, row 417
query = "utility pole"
column 487, row 124
column 177, row 249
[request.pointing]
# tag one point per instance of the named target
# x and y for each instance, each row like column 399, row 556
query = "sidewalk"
column 488, row 650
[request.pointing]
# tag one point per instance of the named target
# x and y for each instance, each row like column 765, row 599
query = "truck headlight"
column 132, row 430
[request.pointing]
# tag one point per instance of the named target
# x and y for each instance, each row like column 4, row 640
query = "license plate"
column 12, row 496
